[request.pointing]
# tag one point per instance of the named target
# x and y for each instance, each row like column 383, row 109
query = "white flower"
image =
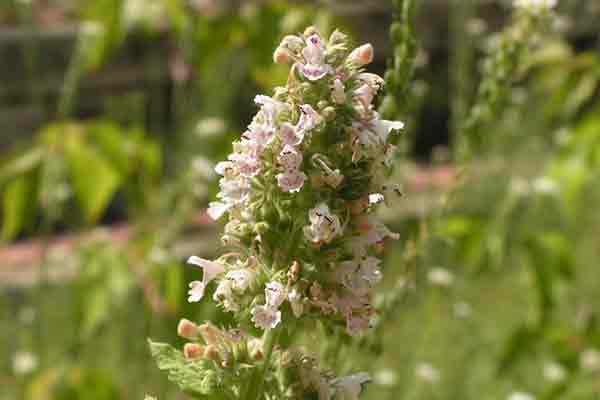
column 295, row 299
column 289, row 135
column 536, row 4
column 362, row 55
column 291, row 181
column 520, row 396
column 324, row 226
column 308, row 120
column 554, row 372
column 349, row 387
column 376, row 198
column 217, row 209
column 365, row 94
column 589, row 360
column 338, row 92
column 386, row 377
column 314, row 67
column 290, row 158
column 440, row 276
column 211, row 270
column 265, row 317
column 24, row 362
column 240, row 279
column 275, row 294
column 196, row 291
column 427, row 372
column 247, row 164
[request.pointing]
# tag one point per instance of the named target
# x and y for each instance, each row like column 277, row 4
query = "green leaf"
column 95, row 180
column 18, row 205
column 193, row 377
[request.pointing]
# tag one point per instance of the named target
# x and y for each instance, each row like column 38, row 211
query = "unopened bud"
column 294, row 272
column 337, row 37
column 322, row 104
column 209, row 333
column 193, row 351
column 282, row 56
column 293, row 43
column 187, row 329
column 362, row 55
column 329, row 113
column 311, row 30
column 211, row 353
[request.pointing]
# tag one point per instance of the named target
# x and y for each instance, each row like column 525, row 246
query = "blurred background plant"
column 113, row 112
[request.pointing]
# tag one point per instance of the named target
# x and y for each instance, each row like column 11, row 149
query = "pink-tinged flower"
column 308, row 120
column 283, row 56
column 324, row 226
column 349, row 387
column 187, row 329
column 265, row 317
column 365, row 94
column 290, row 158
column 291, row 181
column 217, row 209
column 270, row 108
column 275, row 294
column 247, row 165
column 211, row 270
column 289, row 135
column 257, row 137
column 314, row 67
column 362, row 55
column 338, row 92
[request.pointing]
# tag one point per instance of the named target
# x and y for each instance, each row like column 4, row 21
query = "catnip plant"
column 298, row 193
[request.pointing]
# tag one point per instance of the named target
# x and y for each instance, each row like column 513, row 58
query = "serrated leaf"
column 193, row 377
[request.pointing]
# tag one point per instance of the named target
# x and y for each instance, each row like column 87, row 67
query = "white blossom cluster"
column 536, row 4
column 298, row 191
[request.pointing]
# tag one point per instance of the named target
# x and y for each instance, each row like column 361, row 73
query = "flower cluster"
column 298, row 190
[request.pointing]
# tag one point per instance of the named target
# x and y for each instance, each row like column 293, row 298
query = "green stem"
column 254, row 390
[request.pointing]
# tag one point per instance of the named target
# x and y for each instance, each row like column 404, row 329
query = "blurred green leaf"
column 95, row 180
column 19, row 205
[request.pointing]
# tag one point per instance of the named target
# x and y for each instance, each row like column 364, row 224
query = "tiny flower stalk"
column 503, row 66
column 298, row 194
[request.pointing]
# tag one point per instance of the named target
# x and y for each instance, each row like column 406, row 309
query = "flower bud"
column 209, row 333
column 282, row 56
column 294, row 272
column 362, row 55
column 329, row 113
column 337, row 37
column 193, row 351
column 293, row 43
column 321, row 104
column 187, row 329
column 311, row 30
column 211, row 353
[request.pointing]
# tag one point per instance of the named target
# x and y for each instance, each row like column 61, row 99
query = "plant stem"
column 255, row 388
